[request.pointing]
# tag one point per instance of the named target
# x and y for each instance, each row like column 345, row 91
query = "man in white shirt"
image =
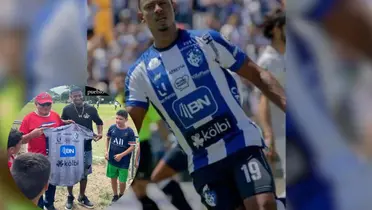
column 271, row 119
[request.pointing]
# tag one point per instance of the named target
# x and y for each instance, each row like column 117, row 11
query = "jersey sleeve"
column 227, row 54
column 134, row 93
column 64, row 114
column 24, row 128
column 312, row 9
column 96, row 118
column 131, row 138
column 109, row 131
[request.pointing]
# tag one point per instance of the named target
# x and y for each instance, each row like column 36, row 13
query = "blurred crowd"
column 110, row 56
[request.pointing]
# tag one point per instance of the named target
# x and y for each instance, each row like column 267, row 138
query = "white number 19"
column 251, row 171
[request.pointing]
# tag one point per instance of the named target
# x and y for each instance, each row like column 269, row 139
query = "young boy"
column 26, row 169
column 120, row 144
column 14, row 145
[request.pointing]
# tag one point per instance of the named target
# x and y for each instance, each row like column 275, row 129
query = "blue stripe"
column 239, row 141
column 321, row 9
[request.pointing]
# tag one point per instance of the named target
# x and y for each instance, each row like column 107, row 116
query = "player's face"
column 77, row 98
column 44, row 108
column 120, row 121
column 157, row 14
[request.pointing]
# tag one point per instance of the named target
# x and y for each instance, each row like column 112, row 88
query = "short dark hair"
column 122, row 113
column 14, row 137
column 75, row 89
column 31, row 173
column 273, row 19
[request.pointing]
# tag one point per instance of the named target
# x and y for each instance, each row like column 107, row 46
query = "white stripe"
column 172, row 59
column 180, row 138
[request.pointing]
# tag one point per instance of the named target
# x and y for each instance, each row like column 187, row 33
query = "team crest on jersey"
column 210, row 196
column 195, row 57
column 76, row 136
column 154, row 63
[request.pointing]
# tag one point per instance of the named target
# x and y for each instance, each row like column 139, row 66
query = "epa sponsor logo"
column 67, row 163
column 182, row 83
column 195, row 106
column 211, row 133
column 67, row 151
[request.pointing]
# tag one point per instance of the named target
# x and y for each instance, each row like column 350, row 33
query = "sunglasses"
column 45, row 104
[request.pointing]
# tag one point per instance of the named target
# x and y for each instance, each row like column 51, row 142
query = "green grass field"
column 105, row 111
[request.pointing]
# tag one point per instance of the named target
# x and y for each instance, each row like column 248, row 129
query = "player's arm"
column 99, row 123
column 264, row 118
column 231, row 57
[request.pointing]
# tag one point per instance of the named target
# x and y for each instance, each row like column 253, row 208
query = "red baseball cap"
column 43, row 98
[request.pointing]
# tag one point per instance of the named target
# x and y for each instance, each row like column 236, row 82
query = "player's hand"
column 106, row 156
column 68, row 122
column 271, row 151
column 118, row 157
column 97, row 137
column 37, row 132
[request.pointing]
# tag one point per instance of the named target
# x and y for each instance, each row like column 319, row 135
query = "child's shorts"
column 115, row 172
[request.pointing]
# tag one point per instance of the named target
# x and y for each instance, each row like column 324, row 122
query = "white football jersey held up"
column 65, row 150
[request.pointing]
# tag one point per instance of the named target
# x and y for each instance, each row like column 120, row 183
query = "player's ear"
column 140, row 16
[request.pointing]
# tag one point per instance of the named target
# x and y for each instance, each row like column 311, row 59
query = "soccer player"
column 186, row 75
column 31, row 173
column 271, row 119
column 120, row 143
column 83, row 114
column 42, row 117
column 326, row 169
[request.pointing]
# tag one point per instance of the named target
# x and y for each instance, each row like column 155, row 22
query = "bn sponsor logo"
column 195, row 106
column 211, row 132
column 67, row 151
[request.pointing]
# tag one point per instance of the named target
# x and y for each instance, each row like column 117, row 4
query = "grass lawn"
column 99, row 188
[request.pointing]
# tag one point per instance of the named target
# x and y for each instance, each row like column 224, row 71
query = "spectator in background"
column 31, row 173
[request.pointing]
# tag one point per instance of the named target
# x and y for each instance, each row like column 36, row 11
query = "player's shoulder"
column 113, row 126
column 67, row 107
column 146, row 57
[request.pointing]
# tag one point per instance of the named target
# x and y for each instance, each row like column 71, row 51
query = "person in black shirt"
column 83, row 114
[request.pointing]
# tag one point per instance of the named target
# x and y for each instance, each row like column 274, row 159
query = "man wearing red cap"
column 42, row 117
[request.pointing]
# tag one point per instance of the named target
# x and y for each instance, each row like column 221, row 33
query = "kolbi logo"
column 195, row 106
column 211, row 132
column 67, row 151
column 67, row 163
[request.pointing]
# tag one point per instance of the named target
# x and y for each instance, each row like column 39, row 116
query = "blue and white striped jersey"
column 192, row 85
column 323, row 173
column 56, row 49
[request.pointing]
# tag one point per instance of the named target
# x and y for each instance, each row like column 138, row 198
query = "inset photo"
column 73, row 147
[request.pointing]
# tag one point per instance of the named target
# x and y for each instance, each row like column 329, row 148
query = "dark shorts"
column 226, row 183
column 176, row 159
column 146, row 162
